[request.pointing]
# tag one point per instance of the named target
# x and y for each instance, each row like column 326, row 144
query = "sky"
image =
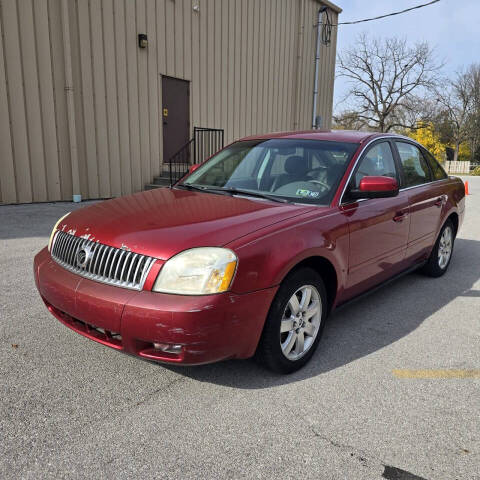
column 451, row 26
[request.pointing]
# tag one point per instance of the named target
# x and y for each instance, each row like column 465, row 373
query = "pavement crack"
column 360, row 456
column 163, row 388
column 367, row 460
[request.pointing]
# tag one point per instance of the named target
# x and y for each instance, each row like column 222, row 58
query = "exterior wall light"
column 142, row 40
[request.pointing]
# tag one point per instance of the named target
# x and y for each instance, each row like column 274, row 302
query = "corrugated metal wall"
column 250, row 64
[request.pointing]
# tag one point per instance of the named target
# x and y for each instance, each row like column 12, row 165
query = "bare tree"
column 389, row 81
column 348, row 120
column 458, row 120
column 473, row 75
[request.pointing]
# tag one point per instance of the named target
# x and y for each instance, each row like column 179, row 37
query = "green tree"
column 426, row 134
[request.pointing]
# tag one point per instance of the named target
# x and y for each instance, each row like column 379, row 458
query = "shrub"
column 476, row 171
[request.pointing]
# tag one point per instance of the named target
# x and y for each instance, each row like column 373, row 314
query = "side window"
column 437, row 170
column 415, row 168
column 378, row 162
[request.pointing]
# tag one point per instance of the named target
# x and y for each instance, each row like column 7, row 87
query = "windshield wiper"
column 199, row 188
column 189, row 186
column 237, row 191
column 232, row 191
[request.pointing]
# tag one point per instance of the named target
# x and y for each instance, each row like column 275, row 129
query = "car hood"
column 164, row 221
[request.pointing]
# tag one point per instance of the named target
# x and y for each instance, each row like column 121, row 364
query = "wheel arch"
column 326, row 270
column 453, row 217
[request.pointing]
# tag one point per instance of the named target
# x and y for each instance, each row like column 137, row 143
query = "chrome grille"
column 100, row 262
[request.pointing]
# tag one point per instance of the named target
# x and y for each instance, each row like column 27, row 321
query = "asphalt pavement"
column 72, row 408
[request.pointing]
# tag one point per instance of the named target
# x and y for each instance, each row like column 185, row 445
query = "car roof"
column 348, row 136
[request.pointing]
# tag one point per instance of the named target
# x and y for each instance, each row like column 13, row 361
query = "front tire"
column 294, row 323
column 441, row 255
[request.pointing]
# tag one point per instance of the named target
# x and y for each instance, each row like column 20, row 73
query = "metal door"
column 176, row 116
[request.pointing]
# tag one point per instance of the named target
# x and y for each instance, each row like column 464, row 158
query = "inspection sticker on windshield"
column 307, row 193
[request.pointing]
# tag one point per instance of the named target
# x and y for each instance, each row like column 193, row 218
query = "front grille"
column 100, row 262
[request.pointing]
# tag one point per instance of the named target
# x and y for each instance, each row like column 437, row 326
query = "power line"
column 388, row 14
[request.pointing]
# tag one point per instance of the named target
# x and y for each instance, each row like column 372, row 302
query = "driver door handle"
column 400, row 216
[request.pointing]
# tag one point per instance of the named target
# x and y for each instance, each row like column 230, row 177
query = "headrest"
column 296, row 165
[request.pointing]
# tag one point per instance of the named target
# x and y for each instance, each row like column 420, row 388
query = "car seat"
column 296, row 168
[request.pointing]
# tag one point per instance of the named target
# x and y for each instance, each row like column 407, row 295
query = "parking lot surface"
column 72, row 408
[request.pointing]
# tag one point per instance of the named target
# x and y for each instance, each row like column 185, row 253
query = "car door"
column 424, row 197
column 378, row 227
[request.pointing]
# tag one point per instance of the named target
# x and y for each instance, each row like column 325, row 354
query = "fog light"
column 168, row 348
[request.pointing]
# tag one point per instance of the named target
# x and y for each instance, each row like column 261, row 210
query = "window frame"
column 344, row 200
column 392, row 139
column 427, row 153
column 399, row 161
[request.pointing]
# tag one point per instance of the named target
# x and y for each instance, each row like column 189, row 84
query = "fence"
column 205, row 142
column 457, row 167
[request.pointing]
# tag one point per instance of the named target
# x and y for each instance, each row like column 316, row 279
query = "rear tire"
column 439, row 260
column 294, row 323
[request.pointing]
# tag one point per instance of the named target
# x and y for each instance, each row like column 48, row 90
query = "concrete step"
column 163, row 180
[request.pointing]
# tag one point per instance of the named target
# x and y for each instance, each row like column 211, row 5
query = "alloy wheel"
column 445, row 247
column 300, row 322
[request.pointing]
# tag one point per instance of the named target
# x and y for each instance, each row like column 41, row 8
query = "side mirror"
column 375, row 187
column 193, row 167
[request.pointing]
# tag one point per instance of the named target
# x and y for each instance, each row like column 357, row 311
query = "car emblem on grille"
column 83, row 256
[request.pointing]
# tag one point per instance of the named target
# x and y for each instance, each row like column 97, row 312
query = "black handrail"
column 180, row 162
column 205, row 142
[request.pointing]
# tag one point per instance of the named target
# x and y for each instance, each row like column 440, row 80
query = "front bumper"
column 207, row 328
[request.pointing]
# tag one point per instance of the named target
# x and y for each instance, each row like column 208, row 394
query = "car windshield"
column 300, row 171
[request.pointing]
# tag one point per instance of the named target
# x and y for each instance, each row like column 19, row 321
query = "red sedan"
column 249, row 253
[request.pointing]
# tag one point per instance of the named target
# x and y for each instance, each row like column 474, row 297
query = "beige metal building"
column 85, row 110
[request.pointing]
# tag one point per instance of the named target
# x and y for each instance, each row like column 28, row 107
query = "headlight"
column 54, row 230
column 198, row 271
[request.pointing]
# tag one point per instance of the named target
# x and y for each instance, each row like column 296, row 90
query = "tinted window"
column 306, row 171
column 378, row 162
column 437, row 171
column 415, row 168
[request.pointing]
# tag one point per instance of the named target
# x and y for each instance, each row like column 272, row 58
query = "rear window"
column 414, row 166
column 437, row 170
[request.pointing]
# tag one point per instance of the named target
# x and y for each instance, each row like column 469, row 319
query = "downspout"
column 315, row 120
column 72, row 132
column 296, row 78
